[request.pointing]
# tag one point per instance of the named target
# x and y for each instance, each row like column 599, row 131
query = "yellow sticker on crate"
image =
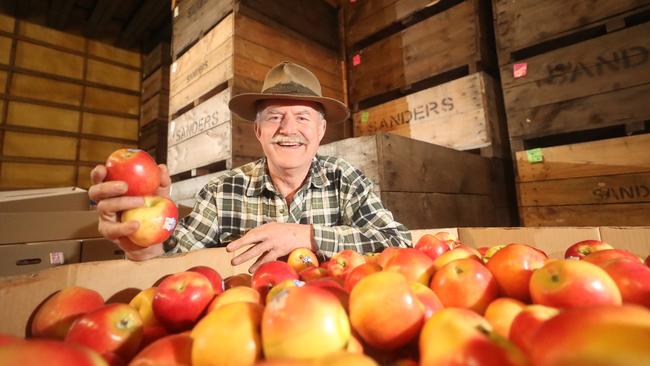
column 535, row 155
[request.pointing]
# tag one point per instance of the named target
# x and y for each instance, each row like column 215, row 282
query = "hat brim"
column 245, row 105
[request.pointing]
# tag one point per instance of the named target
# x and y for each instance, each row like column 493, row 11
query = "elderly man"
column 291, row 198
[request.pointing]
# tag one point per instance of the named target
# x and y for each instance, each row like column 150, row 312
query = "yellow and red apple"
column 512, row 267
column 413, row 264
column 181, row 300
column 583, row 248
column 501, row 312
column 173, row 349
column 301, row 258
column 157, row 219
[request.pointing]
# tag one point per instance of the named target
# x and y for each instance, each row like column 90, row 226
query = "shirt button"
column 282, row 210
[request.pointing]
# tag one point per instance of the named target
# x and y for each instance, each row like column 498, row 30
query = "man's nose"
column 289, row 124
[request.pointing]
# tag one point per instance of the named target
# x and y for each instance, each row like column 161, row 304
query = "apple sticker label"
column 169, row 224
column 57, row 258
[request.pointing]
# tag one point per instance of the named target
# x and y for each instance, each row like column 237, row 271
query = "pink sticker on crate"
column 519, row 70
column 57, row 258
column 356, row 60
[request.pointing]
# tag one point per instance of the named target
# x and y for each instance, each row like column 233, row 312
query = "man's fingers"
column 101, row 191
column 251, row 237
column 116, row 230
column 98, row 174
column 119, row 204
column 254, row 252
column 165, row 181
column 268, row 257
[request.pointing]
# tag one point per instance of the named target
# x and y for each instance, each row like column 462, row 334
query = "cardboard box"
column 49, row 199
column 27, row 258
column 100, row 249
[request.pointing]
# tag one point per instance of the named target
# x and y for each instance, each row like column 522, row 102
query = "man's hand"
column 111, row 201
column 271, row 241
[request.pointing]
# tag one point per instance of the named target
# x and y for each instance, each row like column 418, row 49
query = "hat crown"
column 290, row 78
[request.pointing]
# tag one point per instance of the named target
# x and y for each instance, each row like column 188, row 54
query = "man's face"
column 290, row 132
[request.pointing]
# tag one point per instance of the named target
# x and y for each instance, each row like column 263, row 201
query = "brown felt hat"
column 293, row 82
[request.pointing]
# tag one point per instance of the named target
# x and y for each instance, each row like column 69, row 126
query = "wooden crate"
column 427, row 185
column 159, row 57
column 604, row 182
column 461, row 114
column 153, row 139
column 597, row 83
column 521, row 25
column 451, row 41
column 155, row 108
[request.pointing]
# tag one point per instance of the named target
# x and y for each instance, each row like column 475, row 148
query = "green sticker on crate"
column 364, row 117
column 535, row 155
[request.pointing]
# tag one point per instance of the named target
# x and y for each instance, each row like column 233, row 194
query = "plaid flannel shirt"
column 336, row 199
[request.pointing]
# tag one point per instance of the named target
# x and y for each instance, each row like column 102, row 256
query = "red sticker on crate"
column 356, row 60
column 519, row 70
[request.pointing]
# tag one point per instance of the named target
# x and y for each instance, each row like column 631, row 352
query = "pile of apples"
column 439, row 303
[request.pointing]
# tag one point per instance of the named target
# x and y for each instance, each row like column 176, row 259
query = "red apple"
column 632, row 279
column 582, row 248
column 432, row 246
column 500, row 314
column 334, row 287
column 647, row 261
column 454, row 254
column 212, row 275
column 174, row 349
column 597, row 335
column 512, row 267
column 358, row 273
column 343, row 262
column 152, row 329
column 113, row 328
column 570, row 283
column 9, row 339
column 465, row 283
column 135, row 167
column 54, row 317
column 605, row 255
column 157, row 218
column 489, row 252
column 304, row 323
column 241, row 279
column 270, row 274
column 386, row 255
column 413, row 264
column 426, row 298
column 233, row 295
column 281, row 287
column 302, row 258
column 181, row 299
column 346, row 359
column 384, row 310
column 312, row 273
column 527, row 322
column 38, row 352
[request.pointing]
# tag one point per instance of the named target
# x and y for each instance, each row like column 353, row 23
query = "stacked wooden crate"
column 222, row 48
column 422, row 69
column 154, row 113
column 66, row 102
column 575, row 71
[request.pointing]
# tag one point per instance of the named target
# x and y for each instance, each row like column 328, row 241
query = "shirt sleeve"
column 199, row 229
column 366, row 225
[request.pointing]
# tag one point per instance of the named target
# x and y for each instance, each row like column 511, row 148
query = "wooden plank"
column 361, row 152
column 597, row 158
column 48, row 60
column 111, row 101
column 155, row 108
column 244, row 143
column 452, row 114
column 39, row 146
column 201, row 135
column 3, row 81
column 98, row 151
column 32, row 115
column 160, row 56
column 155, row 83
column 25, row 175
column 520, row 24
column 46, row 89
column 115, row 54
column 336, row 131
column 103, row 125
column 630, row 214
column 51, row 36
column 366, row 19
column 626, row 188
column 425, row 210
column 206, row 65
column 113, row 75
column 7, row 23
column 194, row 18
column 187, row 189
column 613, row 62
column 417, row 53
column 83, row 177
column 5, row 50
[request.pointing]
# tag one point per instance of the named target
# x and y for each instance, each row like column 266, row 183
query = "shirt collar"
column 261, row 180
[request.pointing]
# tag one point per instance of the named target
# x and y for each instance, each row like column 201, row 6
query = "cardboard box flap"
column 634, row 239
column 114, row 280
column 51, row 199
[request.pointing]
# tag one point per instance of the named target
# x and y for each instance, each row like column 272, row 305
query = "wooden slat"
column 155, row 108
column 159, row 56
column 155, row 83
column 244, row 143
column 452, row 115
column 3, row 81
column 6, row 23
column 520, row 24
column 336, row 131
column 113, row 75
column 39, row 146
column 627, row 188
column 417, row 53
column 597, row 158
column 115, row 54
column 98, row 151
column 206, row 65
column 361, row 152
column 111, row 101
column 32, row 115
column 631, row 214
column 103, row 125
column 51, row 36
column 36, row 175
column 187, row 189
column 83, row 177
column 46, row 89
column 193, row 18
column 426, row 210
column 200, row 136
column 5, row 50
column 48, row 60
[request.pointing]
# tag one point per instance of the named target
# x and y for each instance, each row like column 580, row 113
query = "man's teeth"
column 288, row 143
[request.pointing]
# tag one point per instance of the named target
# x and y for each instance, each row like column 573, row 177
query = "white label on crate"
column 169, row 224
column 57, row 258
column 174, row 66
column 175, row 11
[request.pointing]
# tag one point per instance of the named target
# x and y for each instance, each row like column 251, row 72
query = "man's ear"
column 258, row 131
column 323, row 127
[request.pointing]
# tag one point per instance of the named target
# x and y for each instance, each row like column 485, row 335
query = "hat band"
column 291, row 89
